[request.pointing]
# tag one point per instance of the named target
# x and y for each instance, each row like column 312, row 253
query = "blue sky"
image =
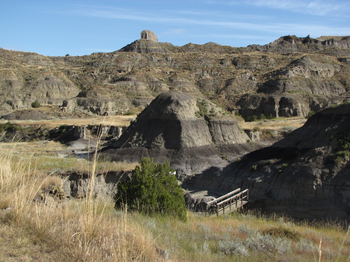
column 82, row 27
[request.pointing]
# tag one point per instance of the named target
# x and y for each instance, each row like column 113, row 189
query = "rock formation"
column 290, row 44
column 147, row 46
column 288, row 77
column 304, row 175
column 149, row 35
column 303, row 85
column 168, row 129
column 77, row 184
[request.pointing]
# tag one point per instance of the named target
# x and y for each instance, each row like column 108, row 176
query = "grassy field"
column 106, row 120
column 54, row 229
column 274, row 124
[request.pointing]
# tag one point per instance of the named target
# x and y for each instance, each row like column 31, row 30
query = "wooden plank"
column 224, row 196
column 233, row 197
column 220, row 212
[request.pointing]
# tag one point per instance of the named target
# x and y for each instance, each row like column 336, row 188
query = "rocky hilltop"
column 304, row 175
column 292, row 44
column 174, row 128
column 288, row 77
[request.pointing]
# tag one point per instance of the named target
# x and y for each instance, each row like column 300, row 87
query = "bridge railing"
column 232, row 200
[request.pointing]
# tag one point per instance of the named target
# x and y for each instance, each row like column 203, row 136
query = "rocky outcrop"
column 273, row 106
column 304, row 84
column 146, row 46
column 168, row 129
column 78, row 184
column 292, row 75
column 20, row 93
column 291, row 44
column 149, row 35
column 304, row 175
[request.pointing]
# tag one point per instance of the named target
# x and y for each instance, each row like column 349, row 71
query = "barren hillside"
column 288, row 77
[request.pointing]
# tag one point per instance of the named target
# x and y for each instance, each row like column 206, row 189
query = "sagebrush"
column 152, row 188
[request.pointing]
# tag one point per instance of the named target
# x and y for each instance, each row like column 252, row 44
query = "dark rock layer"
column 168, row 129
column 304, row 175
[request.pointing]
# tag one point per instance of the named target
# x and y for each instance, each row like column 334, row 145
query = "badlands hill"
column 191, row 134
column 186, row 92
column 288, row 77
column 304, row 175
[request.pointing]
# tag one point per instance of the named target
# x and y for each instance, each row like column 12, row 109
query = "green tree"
column 36, row 104
column 152, row 189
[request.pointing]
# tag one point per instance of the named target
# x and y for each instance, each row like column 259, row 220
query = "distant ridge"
column 338, row 38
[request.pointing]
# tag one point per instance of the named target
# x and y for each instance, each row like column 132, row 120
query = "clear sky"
column 82, row 27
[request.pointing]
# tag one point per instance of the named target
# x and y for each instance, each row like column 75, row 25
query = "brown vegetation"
column 87, row 230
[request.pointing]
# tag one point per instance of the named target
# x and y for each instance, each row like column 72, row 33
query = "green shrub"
column 283, row 233
column 203, row 110
column 8, row 127
column 36, row 104
column 262, row 117
column 152, row 189
column 270, row 116
column 254, row 118
column 238, row 114
column 310, row 114
column 256, row 129
column 128, row 113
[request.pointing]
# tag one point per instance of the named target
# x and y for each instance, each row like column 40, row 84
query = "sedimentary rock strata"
column 168, row 129
column 304, row 175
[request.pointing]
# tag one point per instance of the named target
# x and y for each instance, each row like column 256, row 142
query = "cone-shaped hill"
column 305, row 175
column 191, row 134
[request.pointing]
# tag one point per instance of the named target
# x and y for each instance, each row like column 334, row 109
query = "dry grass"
column 88, row 230
column 43, row 155
column 248, row 237
column 77, row 230
column 274, row 124
column 106, row 120
column 50, row 182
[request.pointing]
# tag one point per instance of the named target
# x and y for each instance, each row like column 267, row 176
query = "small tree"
column 152, row 189
column 262, row 117
column 36, row 104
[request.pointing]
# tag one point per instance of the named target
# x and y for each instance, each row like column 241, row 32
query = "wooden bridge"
column 227, row 203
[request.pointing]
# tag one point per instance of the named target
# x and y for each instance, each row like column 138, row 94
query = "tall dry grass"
column 45, row 158
column 105, row 120
column 84, row 230
column 53, row 229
